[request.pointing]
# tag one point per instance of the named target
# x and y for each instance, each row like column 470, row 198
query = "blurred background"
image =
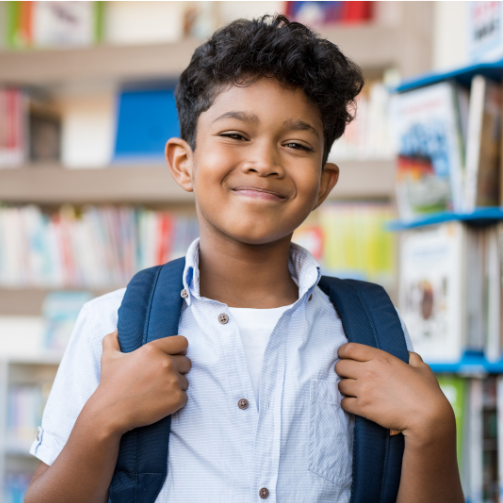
column 86, row 106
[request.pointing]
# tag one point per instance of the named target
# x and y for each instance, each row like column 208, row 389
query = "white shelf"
column 153, row 184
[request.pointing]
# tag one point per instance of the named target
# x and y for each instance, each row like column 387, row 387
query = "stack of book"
column 97, row 247
column 30, row 129
column 350, row 240
column 478, row 407
column 451, row 290
column 15, row 486
column 25, row 404
column 449, row 144
column 53, row 24
column 369, row 135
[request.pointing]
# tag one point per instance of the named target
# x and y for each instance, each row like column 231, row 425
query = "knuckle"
column 149, row 350
column 180, row 396
column 167, row 364
column 383, row 359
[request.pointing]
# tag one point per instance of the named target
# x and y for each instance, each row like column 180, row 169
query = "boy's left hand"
column 395, row 395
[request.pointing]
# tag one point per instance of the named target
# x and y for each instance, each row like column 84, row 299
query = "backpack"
column 151, row 310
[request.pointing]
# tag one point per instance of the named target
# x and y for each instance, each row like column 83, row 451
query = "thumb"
column 111, row 342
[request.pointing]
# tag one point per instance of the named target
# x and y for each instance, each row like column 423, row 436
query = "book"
column 92, row 247
column 54, row 24
column 13, row 130
column 455, row 388
column 368, row 136
column 473, row 474
column 146, row 119
column 427, row 130
column 489, row 445
column 44, row 132
column 328, row 12
column 451, row 290
column 60, row 311
column 350, row 240
column 483, row 148
column 432, row 290
column 499, row 412
column 484, row 31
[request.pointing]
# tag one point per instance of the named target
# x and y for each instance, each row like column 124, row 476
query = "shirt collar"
column 305, row 271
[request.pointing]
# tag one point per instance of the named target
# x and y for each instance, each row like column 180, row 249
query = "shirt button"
column 243, row 404
column 264, row 493
column 184, row 293
column 310, row 297
column 223, row 318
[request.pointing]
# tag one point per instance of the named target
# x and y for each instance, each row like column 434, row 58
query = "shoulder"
column 324, row 302
column 98, row 318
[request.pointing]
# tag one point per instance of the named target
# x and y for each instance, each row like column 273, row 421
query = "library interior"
column 86, row 199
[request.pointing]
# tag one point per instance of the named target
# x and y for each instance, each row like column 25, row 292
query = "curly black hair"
column 272, row 47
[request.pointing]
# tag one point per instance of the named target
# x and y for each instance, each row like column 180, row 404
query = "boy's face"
column 256, row 170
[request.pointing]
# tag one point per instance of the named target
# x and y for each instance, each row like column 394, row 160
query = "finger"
column 414, row 359
column 358, row 352
column 173, row 345
column 348, row 387
column 184, row 383
column 111, row 342
column 348, row 368
column 350, row 404
column 183, row 364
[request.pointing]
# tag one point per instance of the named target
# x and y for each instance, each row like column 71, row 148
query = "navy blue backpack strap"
column 150, row 310
column 368, row 317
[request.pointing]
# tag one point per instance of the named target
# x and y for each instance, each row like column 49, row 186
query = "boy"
column 260, row 106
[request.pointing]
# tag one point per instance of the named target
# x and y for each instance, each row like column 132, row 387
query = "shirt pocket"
column 330, row 434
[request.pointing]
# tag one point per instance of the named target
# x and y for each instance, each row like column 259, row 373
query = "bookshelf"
column 152, row 184
column 161, row 61
column 405, row 45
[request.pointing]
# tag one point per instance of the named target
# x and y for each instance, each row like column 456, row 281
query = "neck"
column 244, row 275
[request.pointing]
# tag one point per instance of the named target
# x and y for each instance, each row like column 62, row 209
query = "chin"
column 254, row 237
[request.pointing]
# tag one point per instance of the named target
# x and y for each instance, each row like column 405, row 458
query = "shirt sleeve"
column 77, row 378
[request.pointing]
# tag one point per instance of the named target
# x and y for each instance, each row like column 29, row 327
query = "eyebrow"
column 241, row 116
column 298, row 125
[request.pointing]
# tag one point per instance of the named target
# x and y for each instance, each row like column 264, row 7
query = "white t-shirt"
column 255, row 328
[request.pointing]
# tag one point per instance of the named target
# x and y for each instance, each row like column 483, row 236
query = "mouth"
column 258, row 193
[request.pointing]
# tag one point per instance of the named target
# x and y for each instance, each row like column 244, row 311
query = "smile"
column 256, row 193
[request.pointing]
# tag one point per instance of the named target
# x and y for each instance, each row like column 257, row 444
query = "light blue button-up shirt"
column 297, row 444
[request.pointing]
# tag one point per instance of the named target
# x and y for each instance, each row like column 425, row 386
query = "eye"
column 234, row 136
column 298, row 146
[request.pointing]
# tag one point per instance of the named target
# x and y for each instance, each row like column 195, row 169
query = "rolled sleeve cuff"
column 45, row 447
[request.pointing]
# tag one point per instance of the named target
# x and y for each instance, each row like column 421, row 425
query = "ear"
column 329, row 178
column 179, row 157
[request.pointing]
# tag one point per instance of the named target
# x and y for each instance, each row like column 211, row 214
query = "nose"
column 263, row 160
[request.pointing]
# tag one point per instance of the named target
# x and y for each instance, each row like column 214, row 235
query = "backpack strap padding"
column 369, row 317
column 147, row 313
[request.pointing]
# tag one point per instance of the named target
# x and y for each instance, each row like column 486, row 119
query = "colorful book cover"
column 428, row 137
column 432, row 290
column 329, row 12
column 60, row 311
column 54, row 24
column 455, row 389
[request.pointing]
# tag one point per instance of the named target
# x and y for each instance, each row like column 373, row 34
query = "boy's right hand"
column 142, row 387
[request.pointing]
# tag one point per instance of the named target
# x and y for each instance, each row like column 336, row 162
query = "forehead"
column 266, row 99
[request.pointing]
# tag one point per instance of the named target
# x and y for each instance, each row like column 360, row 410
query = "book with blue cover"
column 146, row 119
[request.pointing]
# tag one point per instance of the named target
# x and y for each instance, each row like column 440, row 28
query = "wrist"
column 101, row 414
column 436, row 424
